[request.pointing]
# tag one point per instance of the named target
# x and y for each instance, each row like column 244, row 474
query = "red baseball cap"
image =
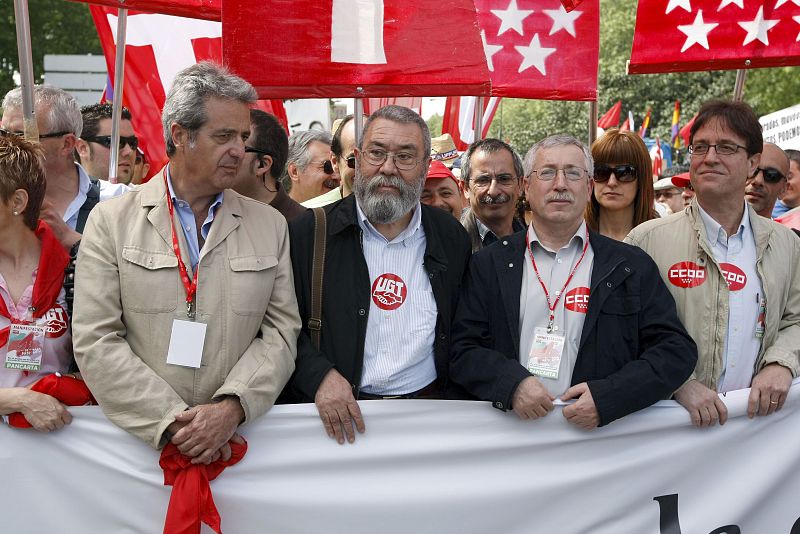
column 681, row 180
column 437, row 169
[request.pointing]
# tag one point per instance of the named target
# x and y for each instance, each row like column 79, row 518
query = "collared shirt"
column 488, row 237
column 398, row 348
column 570, row 312
column 779, row 209
column 324, row 199
column 107, row 190
column 736, row 255
column 188, row 223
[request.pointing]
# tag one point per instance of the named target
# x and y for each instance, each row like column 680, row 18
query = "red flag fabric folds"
column 66, row 389
column 191, row 502
column 692, row 35
column 197, row 9
column 372, row 105
column 686, row 130
column 459, row 118
column 611, row 117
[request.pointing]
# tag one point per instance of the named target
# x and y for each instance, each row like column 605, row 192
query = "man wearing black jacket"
column 560, row 311
column 392, row 275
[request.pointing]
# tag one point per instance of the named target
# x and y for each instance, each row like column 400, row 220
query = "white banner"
column 783, row 127
column 429, row 467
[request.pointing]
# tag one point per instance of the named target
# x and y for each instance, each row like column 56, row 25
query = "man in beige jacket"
column 165, row 358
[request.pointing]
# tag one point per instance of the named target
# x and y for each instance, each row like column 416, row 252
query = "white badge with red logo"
column 545, row 357
column 389, row 291
column 25, row 346
column 577, row 300
column 686, row 274
column 733, row 276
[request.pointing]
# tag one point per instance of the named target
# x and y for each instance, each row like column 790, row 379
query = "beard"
column 384, row 207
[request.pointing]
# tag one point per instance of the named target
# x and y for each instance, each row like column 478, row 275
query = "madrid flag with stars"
column 692, row 35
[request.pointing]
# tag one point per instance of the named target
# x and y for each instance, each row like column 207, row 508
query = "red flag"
column 611, row 117
column 340, row 48
column 684, row 133
column 538, row 49
column 691, row 35
column 157, row 48
column 459, row 118
column 658, row 158
column 374, row 104
column 569, row 5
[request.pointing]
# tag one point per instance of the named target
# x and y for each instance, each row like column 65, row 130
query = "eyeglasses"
column 405, row 161
column 327, row 167
column 771, row 176
column 723, row 149
column 666, row 194
column 253, row 150
column 351, row 162
column 623, row 173
column 484, row 181
column 105, row 140
column 571, row 173
column 7, row 133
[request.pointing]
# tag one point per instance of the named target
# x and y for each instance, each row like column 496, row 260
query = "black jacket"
column 346, row 293
column 633, row 350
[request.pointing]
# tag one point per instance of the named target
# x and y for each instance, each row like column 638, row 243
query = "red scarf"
column 49, row 278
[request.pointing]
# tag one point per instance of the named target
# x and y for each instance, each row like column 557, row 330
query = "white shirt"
column 107, row 190
column 570, row 311
column 398, row 349
column 736, row 255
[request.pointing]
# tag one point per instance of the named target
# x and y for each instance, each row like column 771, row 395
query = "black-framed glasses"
column 723, row 149
column 667, row 194
column 7, row 133
column 351, row 162
column 571, row 173
column 327, row 167
column 105, row 140
column 623, row 173
column 771, row 176
column 253, row 150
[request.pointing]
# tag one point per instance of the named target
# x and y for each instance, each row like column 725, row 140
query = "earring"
column 15, row 213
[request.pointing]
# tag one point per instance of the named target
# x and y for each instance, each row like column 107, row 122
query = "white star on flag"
column 489, row 50
column 685, row 4
column 697, row 32
column 797, row 20
column 725, row 3
column 511, row 18
column 563, row 20
column 534, row 55
column 758, row 28
column 779, row 3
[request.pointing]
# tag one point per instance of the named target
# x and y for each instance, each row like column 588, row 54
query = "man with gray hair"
column 309, row 170
column 562, row 312
column 170, row 354
column 71, row 194
column 392, row 270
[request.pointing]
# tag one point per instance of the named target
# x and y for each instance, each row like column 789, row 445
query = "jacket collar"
column 762, row 228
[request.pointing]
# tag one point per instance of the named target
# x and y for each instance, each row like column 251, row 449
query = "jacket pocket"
column 619, row 325
column 251, row 280
column 149, row 280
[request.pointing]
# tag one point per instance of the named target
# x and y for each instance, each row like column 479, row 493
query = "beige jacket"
column 128, row 291
column 704, row 309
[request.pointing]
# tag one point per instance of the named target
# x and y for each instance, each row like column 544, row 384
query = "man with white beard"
column 392, row 272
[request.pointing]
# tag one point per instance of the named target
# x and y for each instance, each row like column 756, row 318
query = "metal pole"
column 30, row 127
column 358, row 118
column 592, row 121
column 478, row 119
column 738, row 88
column 119, row 80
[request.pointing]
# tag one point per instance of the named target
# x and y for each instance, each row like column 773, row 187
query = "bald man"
column 769, row 181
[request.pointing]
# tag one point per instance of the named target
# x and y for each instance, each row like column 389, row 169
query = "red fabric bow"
column 68, row 390
column 191, row 501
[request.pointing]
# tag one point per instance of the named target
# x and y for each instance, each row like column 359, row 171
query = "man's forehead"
column 438, row 184
column 12, row 119
column 717, row 129
column 394, row 134
column 774, row 157
column 496, row 160
column 559, row 155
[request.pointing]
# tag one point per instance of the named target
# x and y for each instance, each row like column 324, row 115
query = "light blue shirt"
column 186, row 216
column 779, row 209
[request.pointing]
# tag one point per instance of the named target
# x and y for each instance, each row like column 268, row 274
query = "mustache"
column 382, row 180
column 500, row 198
column 331, row 183
column 560, row 196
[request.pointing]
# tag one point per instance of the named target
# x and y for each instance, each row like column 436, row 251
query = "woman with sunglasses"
column 623, row 185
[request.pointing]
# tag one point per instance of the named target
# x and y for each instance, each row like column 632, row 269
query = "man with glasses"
column 309, row 171
column 392, row 270
column 342, row 156
column 668, row 194
column 768, row 183
column 492, row 174
column 70, row 194
column 732, row 273
column 94, row 145
column 563, row 312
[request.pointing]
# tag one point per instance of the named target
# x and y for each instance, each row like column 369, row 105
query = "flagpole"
column 738, row 88
column 119, row 80
column 358, row 117
column 30, row 127
column 592, row 121
column 478, row 119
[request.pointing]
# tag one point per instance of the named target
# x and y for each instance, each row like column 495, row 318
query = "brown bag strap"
column 320, row 234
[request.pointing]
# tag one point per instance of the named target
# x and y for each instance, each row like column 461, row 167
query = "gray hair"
column 298, row 151
column 62, row 112
column 402, row 115
column 488, row 145
column 193, row 86
column 556, row 141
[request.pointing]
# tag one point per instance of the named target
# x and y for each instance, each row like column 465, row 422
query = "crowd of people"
column 331, row 268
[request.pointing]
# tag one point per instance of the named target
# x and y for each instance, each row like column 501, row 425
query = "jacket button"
column 362, row 311
column 430, row 275
column 510, row 265
column 608, row 284
column 498, row 405
column 627, row 269
column 505, row 242
column 442, row 336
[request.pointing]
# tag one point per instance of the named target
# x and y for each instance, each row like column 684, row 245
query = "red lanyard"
column 189, row 285
column 552, row 307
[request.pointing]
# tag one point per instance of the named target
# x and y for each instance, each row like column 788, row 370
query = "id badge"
column 186, row 343
column 545, row 357
column 25, row 346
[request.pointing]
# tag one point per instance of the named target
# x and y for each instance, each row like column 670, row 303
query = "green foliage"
column 57, row 27
column 435, row 124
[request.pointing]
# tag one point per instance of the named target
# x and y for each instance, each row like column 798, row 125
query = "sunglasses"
column 623, row 173
column 351, row 162
column 771, row 176
column 252, row 150
column 105, row 140
column 8, row 133
column 327, row 167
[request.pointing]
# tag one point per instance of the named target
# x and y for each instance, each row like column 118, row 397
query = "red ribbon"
column 67, row 389
column 191, row 502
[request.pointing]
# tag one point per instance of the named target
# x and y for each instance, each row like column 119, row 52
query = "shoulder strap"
column 92, row 199
column 320, row 235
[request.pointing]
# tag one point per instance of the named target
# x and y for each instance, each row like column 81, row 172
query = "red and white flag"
column 658, row 158
column 538, row 49
column 352, row 48
column 372, row 105
column 693, row 35
column 459, row 118
column 157, row 47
